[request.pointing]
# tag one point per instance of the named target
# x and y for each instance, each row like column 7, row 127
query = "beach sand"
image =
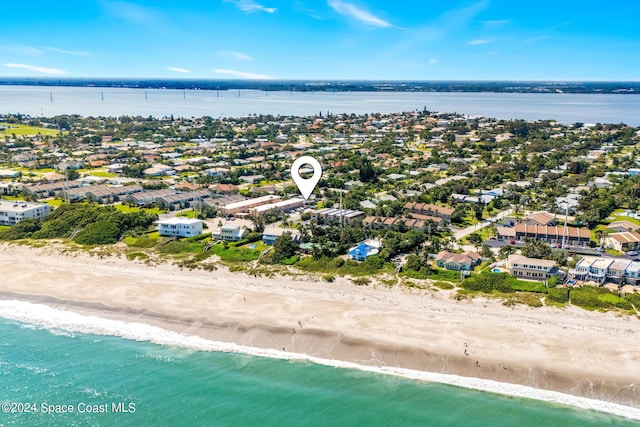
column 570, row 350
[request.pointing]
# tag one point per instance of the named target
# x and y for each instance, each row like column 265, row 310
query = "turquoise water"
column 171, row 386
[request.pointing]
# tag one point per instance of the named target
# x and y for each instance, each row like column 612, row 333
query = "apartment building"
column 12, row 212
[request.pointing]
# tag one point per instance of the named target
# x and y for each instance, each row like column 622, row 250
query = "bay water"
column 94, row 101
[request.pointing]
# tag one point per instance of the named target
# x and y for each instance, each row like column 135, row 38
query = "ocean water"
column 47, row 364
column 92, row 101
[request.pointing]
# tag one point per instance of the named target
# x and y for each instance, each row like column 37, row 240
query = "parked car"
column 632, row 253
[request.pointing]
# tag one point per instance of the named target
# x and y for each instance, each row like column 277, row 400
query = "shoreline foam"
column 54, row 319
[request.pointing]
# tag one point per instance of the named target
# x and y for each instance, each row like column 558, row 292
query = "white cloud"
column 25, row 50
column 67, row 52
column 433, row 61
column 235, row 55
column 35, row 68
column 478, row 41
column 243, row 74
column 352, row 11
column 251, row 6
column 178, row 70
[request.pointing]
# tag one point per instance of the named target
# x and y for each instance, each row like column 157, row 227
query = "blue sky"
column 323, row 39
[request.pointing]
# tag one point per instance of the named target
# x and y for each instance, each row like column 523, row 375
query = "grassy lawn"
column 102, row 174
column 129, row 209
column 613, row 252
column 618, row 215
column 12, row 198
column 54, row 202
column 236, row 254
column 20, row 129
column 484, row 232
column 187, row 214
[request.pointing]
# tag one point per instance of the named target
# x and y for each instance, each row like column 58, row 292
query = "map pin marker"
column 306, row 186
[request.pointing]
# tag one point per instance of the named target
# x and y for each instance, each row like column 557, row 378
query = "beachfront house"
column 270, row 234
column 531, row 268
column 465, row 261
column 232, row 231
column 179, row 227
column 364, row 250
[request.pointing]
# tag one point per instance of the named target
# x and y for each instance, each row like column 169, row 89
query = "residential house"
column 179, row 227
column 232, row 231
column 531, row 268
column 270, row 234
column 623, row 242
column 620, row 226
column 364, row 250
column 457, row 262
column 541, row 218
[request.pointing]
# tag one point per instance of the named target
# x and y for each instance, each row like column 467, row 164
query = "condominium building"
column 12, row 212
column 246, row 205
column 279, row 206
column 327, row 215
column 606, row 269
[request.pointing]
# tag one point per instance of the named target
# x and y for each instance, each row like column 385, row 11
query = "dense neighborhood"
column 428, row 195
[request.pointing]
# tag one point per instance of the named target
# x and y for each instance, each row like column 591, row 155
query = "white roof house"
column 179, row 227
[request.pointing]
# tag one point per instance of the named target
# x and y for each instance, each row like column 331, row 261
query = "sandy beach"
column 573, row 351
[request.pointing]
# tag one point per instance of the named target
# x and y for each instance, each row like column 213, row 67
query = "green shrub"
column 102, row 232
column 634, row 299
column 590, row 297
column 137, row 255
column 361, row 281
column 560, row 295
column 22, row 230
column 328, row 278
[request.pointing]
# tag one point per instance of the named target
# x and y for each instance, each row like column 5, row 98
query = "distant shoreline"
column 572, row 351
column 574, row 87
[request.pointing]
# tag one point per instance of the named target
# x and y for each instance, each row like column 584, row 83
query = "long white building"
column 12, row 212
column 280, row 206
column 179, row 227
column 246, row 205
